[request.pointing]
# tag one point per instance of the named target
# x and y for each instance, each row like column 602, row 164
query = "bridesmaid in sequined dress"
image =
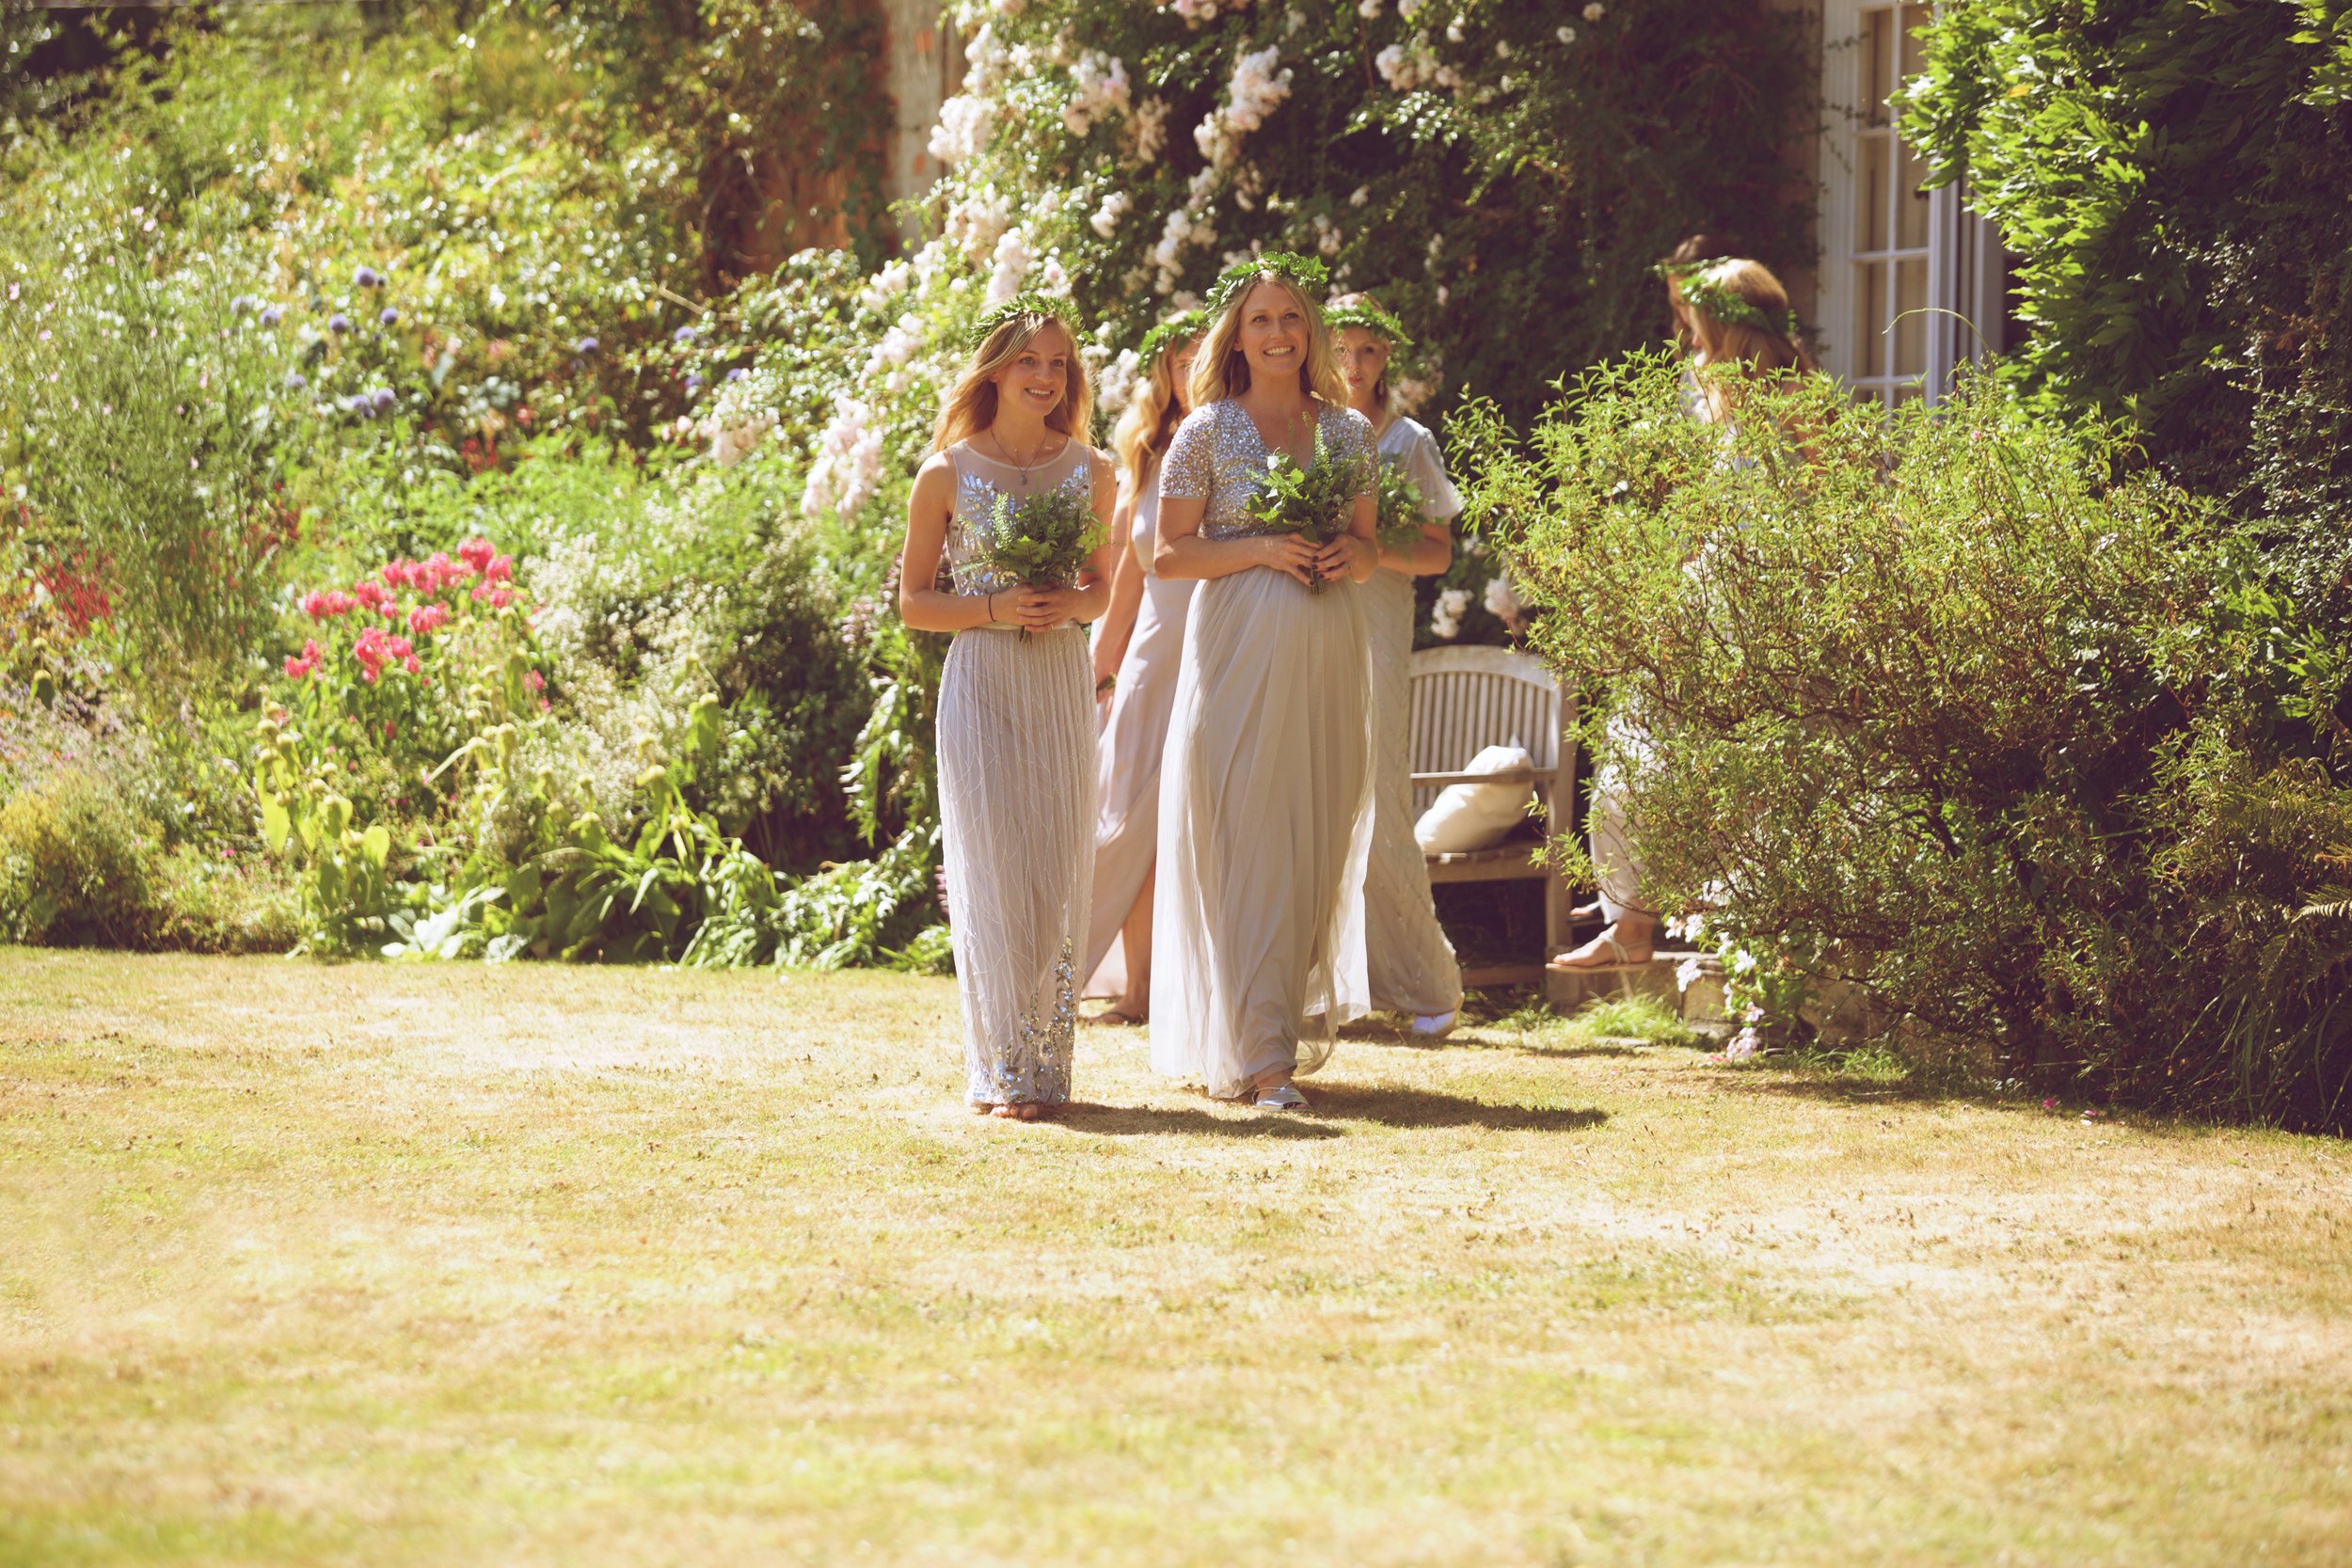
column 1016, row 720
column 1408, row 960
column 1265, row 788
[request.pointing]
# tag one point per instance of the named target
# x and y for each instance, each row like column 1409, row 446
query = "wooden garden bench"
column 1464, row 701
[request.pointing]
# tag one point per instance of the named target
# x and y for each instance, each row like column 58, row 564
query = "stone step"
column 1701, row 1003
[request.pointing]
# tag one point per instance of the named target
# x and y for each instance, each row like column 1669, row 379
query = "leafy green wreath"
column 1372, row 319
column 1180, row 329
column 1703, row 295
column 1306, row 273
column 1025, row 303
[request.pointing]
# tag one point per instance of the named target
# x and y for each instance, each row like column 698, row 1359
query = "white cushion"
column 1467, row 817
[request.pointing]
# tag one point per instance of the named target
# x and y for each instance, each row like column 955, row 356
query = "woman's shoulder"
column 1347, row 427
column 1202, row 418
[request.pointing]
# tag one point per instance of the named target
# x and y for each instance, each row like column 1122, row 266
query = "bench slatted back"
column 1467, row 699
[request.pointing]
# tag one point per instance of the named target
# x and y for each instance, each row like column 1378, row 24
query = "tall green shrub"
column 1931, row 701
column 2173, row 177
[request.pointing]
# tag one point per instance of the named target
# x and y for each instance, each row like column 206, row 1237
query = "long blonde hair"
column 1221, row 371
column 969, row 407
column 1152, row 414
column 1371, row 302
column 1764, row 338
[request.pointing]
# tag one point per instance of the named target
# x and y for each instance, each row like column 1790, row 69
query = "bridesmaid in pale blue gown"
column 1016, row 722
column 1265, row 788
column 1137, row 644
column 1408, row 960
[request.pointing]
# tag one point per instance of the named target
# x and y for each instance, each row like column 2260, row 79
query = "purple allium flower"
column 683, row 336
column 737, row 373
column 242, row 303
column 382, row 399
column 294, row 381
column 586, row 346
column 272, row 315
column 693, row 384
column 387, row 317
column 368, row 277
column 339, row 322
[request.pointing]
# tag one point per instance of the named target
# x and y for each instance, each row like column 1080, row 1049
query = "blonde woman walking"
column 1409, row 962
column 1137, row 646
column 1265, row 797
column 1016, row 721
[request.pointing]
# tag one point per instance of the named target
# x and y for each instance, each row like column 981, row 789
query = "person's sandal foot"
column 1282, row 1097
column 1434, row 1026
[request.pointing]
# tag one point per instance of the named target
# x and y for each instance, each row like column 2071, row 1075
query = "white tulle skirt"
column 1264, row 821
column 1016, row 805
column 1408, row 961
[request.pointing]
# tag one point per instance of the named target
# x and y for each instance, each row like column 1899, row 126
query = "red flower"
column 534, row 681
column 370, row 593
column 428, row 618
column 476, row 552
column 502, row 569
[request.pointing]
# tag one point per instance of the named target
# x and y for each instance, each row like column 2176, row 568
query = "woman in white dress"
column 1731, row 311
column 1409, row 962
column 1016, row 728
column 1138, row 645
column 1265, row 789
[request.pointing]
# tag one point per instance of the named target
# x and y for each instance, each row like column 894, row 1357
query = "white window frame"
column 1962, row 253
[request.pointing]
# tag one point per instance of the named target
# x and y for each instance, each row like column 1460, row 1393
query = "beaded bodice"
column 979, row 480
column 1219, row 457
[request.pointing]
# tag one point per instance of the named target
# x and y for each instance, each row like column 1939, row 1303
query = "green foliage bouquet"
column 1044, row 540
column 1401, row 517
column 1314, row 502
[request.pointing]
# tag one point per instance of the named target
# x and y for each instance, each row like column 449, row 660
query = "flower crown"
column 1180, row 329
column 1023, row 304
column 1371, row 318
column 1306, row 273
column 1709, row 297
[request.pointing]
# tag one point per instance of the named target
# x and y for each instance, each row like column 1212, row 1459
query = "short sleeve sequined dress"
column 1265, row 793
column 1016, row 796
column 1407, row 959
column 1127, row 814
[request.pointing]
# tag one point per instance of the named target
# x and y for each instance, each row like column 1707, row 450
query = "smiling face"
column 1037, row 379
column 1363, row 360
column 1275, row 331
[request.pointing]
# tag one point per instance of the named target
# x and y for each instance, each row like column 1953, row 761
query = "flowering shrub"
column 1470, row 164
column 367, row 716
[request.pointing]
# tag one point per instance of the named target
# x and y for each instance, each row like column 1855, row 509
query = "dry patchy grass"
column 531, row 1265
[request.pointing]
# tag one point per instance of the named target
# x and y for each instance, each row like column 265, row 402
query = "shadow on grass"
column 1800, row 1082
column 1391, row 1106
column 1334, row 1103
column 1128, row 1121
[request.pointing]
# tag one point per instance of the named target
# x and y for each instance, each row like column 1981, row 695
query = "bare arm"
column 1118, row 625
column 1433, row 552
column 1181, row 552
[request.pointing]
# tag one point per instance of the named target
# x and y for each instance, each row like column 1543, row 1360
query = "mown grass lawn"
column 451, row 1265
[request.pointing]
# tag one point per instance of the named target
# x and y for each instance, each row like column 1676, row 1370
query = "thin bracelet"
column 990, row 601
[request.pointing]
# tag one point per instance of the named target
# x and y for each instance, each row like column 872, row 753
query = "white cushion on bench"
column 1464, row 817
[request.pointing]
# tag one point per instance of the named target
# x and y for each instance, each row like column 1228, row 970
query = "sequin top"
column 1220, row 457
column 979, row 480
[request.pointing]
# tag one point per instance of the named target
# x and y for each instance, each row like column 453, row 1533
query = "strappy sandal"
column 1602, row 952
column 1282, row 1097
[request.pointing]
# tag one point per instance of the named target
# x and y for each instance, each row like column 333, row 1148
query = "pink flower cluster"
column 379, row 648
column 299, row 669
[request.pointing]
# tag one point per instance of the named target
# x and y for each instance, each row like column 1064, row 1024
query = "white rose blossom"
column 1445, row 616
column 1256, row 90
column 1104, row 221
column 1100, row 84
column 1502, row 601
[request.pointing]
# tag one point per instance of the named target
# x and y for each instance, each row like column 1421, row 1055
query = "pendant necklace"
column 1022, row 470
